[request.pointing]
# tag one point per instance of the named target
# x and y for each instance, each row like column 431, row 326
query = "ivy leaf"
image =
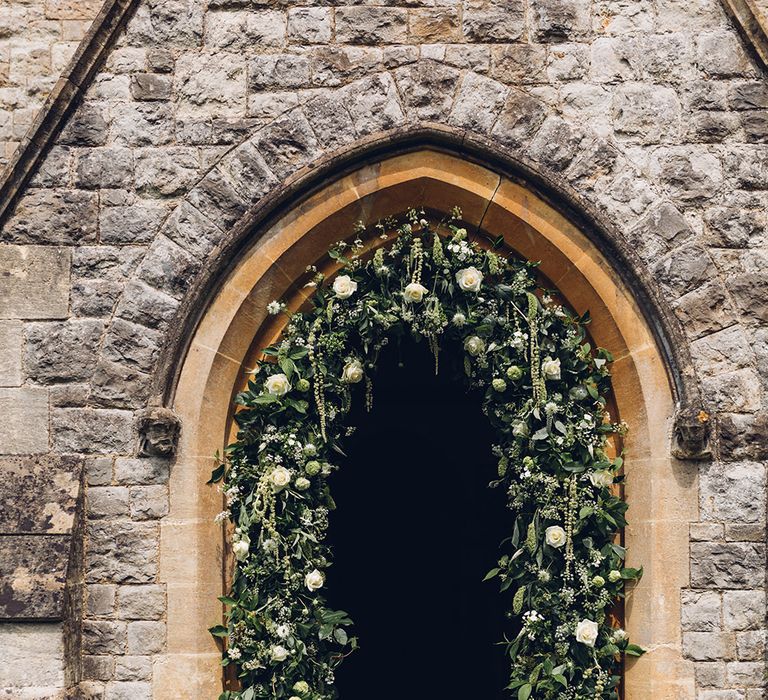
column 525, row 692
column 217, row 474
column 219, row 631
column 340, row 636
column 634, row 650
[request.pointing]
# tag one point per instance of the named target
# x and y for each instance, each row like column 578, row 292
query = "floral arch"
column 192, row 550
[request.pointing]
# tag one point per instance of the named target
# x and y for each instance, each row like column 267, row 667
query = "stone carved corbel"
column 159, row 430
column 692, row 433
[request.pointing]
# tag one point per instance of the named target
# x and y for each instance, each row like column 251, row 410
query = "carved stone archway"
column 662, row 492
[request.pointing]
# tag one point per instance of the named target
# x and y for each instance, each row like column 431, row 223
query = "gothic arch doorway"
column 662, row 492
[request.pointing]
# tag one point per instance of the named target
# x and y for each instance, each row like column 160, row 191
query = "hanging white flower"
column 344, row 287
column 274, row 307
column 601, row 478
column 586, row 632
column 551, row 368
column 353, row 372
column 469, row 279
column 240, row 549
column 277, row 385
column 555, row 536
column 279, row 653
column 459, row 319
column 314, row 580
column 280, row 478
column 474, row 345
column 414, row 292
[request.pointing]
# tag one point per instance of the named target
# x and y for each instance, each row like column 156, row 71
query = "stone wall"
column 37, row 39
column 653, row 112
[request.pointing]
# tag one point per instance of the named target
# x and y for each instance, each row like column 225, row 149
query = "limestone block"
column 133, row 668
column 62, row 351
column 172, row 23
column 330, row 120
column 310, row 25
column 10, row 353
column 725, row 565
column 54, row 171
column 336, row 65
column 567, row 62
column 146, row 638
column 648, row 113
column 210, row 84
column 493, row 21
column 166, row 171
column 724, row 351
column 281, row 70
column 748, row 95
column 107, row 501
column 434, row 25
column 145, row 470
column 148, row 87
column 168, row 267
column 197, row 234
column 98, row 471
column 32, row 654
column 34, row 572
column 131, row 224
column 478, row 103
column 128, row 690
column 24, row 428
column 520, row 118
column 721, row 54
column 90, row 430
column 709, row 646
column 132, row 344
column 704, row 309
column 744, row 436
column 149, row 502
column 371, row 25
column 238, row 30
column 555, row 143
column 104, row 637
column 519, row 64
column 116, row 385
column 701, row 611
column 121, row 552
column 146, row 305
column 217, row 195
column 737, row 391
column 690, row 174
column 54, row 217
column 98, row 276
column 743, row 610
column 142, row 123
column 556, row 20
column 427, row 89
column 287, row 144
column 373, row 104
column 750, row 646
column 98, row 168
column 87, row 127
column 145, row 602
column 39, row 493
column 99, row 668
column 100, row 600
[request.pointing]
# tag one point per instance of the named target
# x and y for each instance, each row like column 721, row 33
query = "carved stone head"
column 691, row 439
column 158, row 432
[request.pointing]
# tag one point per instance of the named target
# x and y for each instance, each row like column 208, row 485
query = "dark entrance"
column 415, row 532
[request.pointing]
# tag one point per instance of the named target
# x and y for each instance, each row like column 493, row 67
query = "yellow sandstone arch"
column 662, row 492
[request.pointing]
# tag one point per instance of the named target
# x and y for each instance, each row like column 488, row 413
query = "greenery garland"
column 544, row 390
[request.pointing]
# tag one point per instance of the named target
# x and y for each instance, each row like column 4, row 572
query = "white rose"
column 353, row 372
column 474, row 345
column 314, row 580
column 414, row 292
column 240, row 549
column 551, row 368
column 283, row 631
column 601, row 478
column 280, row 478
column 586, row 632
column 279, row 653
column 469, row 279
column 555, row 536
column 278, row 385
column 344, row 287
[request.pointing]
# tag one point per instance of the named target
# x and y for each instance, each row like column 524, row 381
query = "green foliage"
column 544, row 391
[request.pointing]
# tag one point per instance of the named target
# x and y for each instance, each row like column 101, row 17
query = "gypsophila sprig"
column 544, row 390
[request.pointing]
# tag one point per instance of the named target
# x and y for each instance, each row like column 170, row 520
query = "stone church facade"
column 186, row 136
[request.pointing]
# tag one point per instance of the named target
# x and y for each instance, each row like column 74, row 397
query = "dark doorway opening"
column 415, row 532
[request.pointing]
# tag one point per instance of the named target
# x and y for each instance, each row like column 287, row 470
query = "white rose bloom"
column 586, row 632
column 314, row 580
column 414, row 292
column 278, row 385
column 353, row 372
column 469, row 279
column 601, row 478
column 551, row 368
column 279, row 653
column 280, row 478
column 283, row 631
column 240, row 549
column 555, row 536
column 344, row 287
column 474, row 345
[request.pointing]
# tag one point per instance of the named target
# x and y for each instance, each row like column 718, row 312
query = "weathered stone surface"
column 10, row 353
column 478, row 103
column 116, row 385
column 132, row 344
column 149, row 502
column 702, row 611
column 143, row 124
column 744, row 436
column 150, row 470
column 287, row 144
column 54, row 217
column 555, row 143
column 146, row 637
column 131, row 224
column 733, row 491
column 39, row 641
column 724, row 351
column 101, row 599
column 98, row 668
column 104, row 167
column 371, row 25
column 147, row 306
column 34, row 572
column 150, row 86
column 278, row 70
column 493, row 20
column 239, row 31
column 709, row 646
column 168, row 267
column 734, row 227
column 427, row 89
column 62, row 351
column 98, row 276
column 648, row 113
column 704, row 309
column 557, row 20
column 121, row 552
column 166, row 172
column 750, row 645
column 107, row 502
column 133, row 668
column 171, row 23
column 720, row 54
column 520, row 118
column 517, row 64
column 373, row 104
column 433, row 25
column 725, row 565
column 128, row 690
column 310, row 25
column 743, row 610
column 335, row 65
column 55, row 169
column 98, row 471
column 217, row 194
column 24, row 428
column 39, row 493
column 685, row 269
column 330, row 120
column 211, row 82
column 690, row 175
column 737, row 392
column 146, row 602
column 104, row 637
column 88, row 126
column 89, row 430
column 35, row 282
